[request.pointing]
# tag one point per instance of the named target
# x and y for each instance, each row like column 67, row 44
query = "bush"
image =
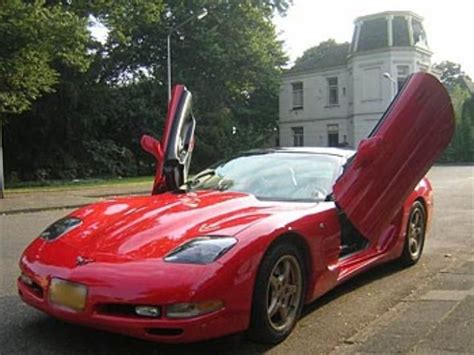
column 107, row 158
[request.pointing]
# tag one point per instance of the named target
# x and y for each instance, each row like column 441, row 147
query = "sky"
column 449, row 25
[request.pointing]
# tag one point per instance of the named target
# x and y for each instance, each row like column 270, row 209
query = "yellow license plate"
column 68, row 294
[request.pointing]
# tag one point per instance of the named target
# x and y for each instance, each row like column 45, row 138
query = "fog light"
column 26, row 280
column 147, row 311
column 186, row 310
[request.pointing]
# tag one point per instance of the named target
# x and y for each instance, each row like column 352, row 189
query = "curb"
column 41, row 209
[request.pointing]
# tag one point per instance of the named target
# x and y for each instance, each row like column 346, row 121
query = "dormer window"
column 419, row 35
column 401, row 35
column 388, row 29
column 373, row 34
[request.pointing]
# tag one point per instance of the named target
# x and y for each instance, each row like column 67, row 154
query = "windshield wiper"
column 281, row 199
column 195, row 180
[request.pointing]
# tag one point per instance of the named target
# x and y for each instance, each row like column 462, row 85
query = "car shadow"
column 375, row 273
column 55, row 336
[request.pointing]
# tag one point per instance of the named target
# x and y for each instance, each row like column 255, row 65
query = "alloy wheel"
column 415, row 233
column 284, row 290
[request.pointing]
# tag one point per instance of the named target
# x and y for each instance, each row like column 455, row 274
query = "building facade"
column 339, row 105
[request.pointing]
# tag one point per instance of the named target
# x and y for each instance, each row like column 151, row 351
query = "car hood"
column 151, row 226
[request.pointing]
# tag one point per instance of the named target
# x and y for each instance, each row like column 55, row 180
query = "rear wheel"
column 415, row 235
column 278, row 294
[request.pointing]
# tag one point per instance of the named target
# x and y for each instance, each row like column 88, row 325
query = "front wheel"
column 278, row 294
column 415, row 235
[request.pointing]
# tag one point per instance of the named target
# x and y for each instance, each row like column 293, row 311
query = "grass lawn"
column 58, row 185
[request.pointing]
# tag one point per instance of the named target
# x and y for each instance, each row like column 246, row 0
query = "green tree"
column 455, row 150
column 326, row 54
column 467, row 129
column 231, row 61
column 451, row 74
column 34, row 36
column 457, row 83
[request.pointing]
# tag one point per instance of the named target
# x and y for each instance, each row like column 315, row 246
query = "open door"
column 400, row 150
column 173, row 153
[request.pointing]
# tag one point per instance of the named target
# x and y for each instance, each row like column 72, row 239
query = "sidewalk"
column 437, row 319
column 19, row 202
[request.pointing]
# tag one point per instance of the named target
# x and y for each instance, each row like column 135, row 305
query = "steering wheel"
column 311, row 191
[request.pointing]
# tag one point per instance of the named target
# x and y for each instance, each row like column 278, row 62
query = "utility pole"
column 199, row 16
column 2, row 182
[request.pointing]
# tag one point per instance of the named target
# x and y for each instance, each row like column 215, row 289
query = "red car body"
column 118, row 250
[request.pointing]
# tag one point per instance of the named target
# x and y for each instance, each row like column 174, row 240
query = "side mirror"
column 152, row 146
column 368, row 150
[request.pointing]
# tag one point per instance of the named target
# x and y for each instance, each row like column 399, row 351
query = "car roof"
column 340, row 152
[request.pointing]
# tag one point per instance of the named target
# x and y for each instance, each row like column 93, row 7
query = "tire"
column 415, row 235
column 278, row 294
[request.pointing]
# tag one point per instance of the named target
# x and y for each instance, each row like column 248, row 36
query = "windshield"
column 285, row 176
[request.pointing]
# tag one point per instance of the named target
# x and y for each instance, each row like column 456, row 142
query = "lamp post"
column 199, row 16
column 388, row 76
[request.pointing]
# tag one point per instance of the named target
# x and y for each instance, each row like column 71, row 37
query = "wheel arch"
column 302, row 245
column 255, row 327
column 424, row 203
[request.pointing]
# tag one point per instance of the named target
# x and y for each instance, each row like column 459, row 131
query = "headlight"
column 202, row 250
column 187, row 310
column 60, row 227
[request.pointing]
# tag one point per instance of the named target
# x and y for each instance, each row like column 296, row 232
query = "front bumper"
column 212, row 325
column 144, row 282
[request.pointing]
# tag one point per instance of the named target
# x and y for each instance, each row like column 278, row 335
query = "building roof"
column 371, row 33
column 388, row 13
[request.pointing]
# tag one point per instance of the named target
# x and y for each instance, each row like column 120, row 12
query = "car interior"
column 351, row 239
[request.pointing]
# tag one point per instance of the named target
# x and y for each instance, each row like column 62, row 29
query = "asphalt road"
column 325, row 325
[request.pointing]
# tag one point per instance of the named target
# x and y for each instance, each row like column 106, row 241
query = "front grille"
column 120, row 309
column 165, row 331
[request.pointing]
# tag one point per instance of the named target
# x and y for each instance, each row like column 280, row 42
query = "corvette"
column 245, row 244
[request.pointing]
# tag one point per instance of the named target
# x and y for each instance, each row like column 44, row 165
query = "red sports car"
column 243, row 245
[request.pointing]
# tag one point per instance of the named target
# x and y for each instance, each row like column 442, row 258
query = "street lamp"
column 199, row 16
column 388, row 76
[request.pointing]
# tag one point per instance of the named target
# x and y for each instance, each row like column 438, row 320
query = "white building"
column 337, row 104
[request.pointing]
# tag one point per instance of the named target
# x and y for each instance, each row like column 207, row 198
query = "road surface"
column 347, row 319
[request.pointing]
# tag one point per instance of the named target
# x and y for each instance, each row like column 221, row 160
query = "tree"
column 467, row 129
column 451, row 74
column 326, row 54
column 460, row 90
column 34, row 36
column 231, row 61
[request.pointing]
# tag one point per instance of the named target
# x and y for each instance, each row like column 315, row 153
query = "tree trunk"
column 2, row 184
